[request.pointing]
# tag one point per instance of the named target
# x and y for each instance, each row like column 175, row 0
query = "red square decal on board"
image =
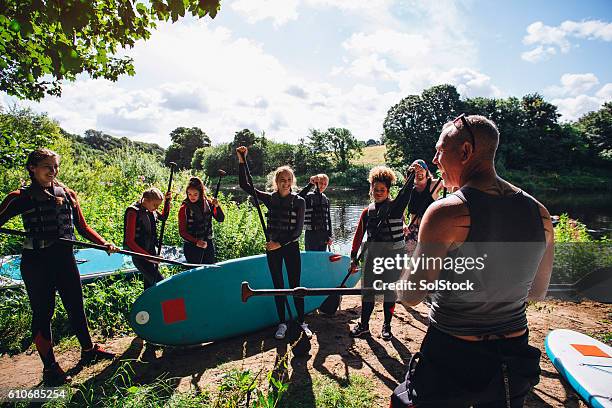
column 174, row 310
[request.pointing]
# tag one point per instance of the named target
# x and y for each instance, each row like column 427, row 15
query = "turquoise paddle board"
column 92, row 264
column 202, row 305
column 585, row 363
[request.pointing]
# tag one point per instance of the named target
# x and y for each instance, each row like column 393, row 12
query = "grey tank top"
column 507, row 234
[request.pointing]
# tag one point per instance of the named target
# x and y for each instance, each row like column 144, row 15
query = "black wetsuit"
column 317, row 219
column 47, row 265
column 385, row 242
column 285, row 223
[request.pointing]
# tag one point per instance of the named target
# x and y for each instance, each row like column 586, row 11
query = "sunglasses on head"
column 461, row 119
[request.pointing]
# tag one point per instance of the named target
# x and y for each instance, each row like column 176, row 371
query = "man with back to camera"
column 476, row 350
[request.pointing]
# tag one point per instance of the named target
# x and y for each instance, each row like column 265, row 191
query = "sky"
column 286, row 66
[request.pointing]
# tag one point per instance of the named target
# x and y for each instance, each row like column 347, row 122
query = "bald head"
column 486, row 135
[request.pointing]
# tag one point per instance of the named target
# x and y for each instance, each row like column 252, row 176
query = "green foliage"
column 530, row 136
column 597, row 128
column 337, row 144
column 46, row 42
column 576, row 253
column 21, row 131
column 121, row 390
column 95, row 142
column 412, row 127
column 278, row 154
column 354, row 176
column 211, row 159
column 185, row 142
column 256, row 155
column 357, row 393
column 240, row 234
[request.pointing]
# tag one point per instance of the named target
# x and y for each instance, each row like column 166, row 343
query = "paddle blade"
column 330, row 305
column 335, row 258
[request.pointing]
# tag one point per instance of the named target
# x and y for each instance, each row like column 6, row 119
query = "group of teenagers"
column 475, row 352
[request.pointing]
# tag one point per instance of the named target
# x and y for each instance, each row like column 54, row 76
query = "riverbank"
column 336, row 363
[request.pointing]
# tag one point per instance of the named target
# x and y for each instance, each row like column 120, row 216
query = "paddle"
column 300, row 291
column 332, row 302
column 163, row 224
column 250, row 181
column 103, row 248
column 221, row 173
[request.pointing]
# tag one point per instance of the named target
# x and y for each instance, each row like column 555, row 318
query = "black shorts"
column 451, row 372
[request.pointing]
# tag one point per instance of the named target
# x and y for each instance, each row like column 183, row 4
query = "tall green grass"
column 576, row 252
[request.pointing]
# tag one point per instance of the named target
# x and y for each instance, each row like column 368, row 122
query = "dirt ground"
column 334, row 354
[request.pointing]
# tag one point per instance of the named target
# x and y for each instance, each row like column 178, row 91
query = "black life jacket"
column 50, row 218
column 391, row 229
column 317, row 210
column 420, row 201
column 146, row 227
column 199, row 219
column 282, row 215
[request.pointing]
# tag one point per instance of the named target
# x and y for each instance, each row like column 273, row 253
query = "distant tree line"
column 322, row 150
column 531, row 136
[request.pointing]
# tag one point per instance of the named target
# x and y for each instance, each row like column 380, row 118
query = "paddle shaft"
column 103, row 248
column 247, row 292
column 250, row 180
column 163, row 224
column 218, row 186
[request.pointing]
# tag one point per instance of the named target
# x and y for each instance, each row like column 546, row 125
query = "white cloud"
column 548, row 39
column 280, row 11
column 573, row 108
column 572, row 97
column 367, row 67
column 469, row 82
column 605, row 92
column 573, row 85
column 540, row 53
column 195, row 75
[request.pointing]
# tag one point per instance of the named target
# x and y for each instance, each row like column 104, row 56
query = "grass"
column 357, row 393
column 372, row 156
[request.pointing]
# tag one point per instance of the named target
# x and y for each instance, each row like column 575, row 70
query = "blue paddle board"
column 202, row 305
column 585, row 363
column 91, row 263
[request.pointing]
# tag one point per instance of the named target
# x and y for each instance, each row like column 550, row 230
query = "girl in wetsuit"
column 285, row 223
column 50, row 210
column 195, row 223
column 382, row 220
column 140, row 232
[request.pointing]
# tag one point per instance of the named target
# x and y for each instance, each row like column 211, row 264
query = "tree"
column 343, row 146
column 256, row 146
column 597, row 129
column 21, row 131
column 278, row 154
column 46, row 42
column 411, row 128
column 185, row 141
